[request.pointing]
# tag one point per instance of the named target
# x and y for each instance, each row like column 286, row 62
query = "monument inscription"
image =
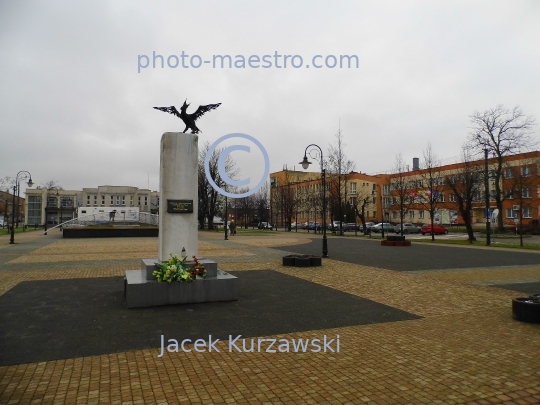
column 180, row 206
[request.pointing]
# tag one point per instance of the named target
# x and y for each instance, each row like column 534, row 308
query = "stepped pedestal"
column 143, row 290
column 179, row 159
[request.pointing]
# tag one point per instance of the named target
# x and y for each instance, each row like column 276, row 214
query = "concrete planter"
column 302, row 260
column 89, row 232
column 526, row 309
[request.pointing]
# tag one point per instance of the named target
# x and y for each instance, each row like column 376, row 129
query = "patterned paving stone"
column 466, row 349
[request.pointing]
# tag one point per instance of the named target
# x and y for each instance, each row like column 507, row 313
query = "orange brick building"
column 300, row 192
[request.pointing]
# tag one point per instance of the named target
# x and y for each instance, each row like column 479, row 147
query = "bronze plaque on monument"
column 180, row 206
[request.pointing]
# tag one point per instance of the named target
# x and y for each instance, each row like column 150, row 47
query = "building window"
column 66, row 202
column 526, row 192
column 394, row 214
column 508, row 174
column 87, row 200
column 525, row 171
column 421, row 214
column 527, row 212
column 411, row 214
column 112, row 200
column 34, row 210
column 131, row 200
column 509, row 193
column 509, row 213
column 139, row 203
column 52, row 202
column 452, row 198
column 123, row 200
column 145, row 200
column 102, row 200
column 353, row 188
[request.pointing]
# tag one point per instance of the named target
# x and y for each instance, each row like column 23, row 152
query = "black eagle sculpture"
column 189, row 119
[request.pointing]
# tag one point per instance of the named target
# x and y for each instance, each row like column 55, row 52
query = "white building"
column 56, row 206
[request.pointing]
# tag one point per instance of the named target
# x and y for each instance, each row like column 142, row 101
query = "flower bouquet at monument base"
column 176, row 269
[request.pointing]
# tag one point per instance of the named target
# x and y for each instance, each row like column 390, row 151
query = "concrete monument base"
column 143, row 290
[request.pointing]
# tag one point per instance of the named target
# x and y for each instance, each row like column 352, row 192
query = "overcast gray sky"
column 74, row 108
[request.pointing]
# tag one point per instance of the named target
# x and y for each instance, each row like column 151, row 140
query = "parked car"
column 407, row 228
column 265, row 225
column 334, row 225
column 351, row 227
column 437, row 230
column 369, row 225
column 313, row 225
column 378, row 228
column 304, row 225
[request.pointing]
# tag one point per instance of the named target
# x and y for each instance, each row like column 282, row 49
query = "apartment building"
column 55, row 206
column 384, row 193
column 300, row 194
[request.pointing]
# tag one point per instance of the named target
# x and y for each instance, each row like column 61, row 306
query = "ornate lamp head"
column 305, row 162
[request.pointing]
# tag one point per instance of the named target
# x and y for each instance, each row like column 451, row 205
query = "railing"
column 99, row 219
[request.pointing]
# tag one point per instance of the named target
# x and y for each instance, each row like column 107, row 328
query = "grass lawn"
column 265, row 232
column 4, row 231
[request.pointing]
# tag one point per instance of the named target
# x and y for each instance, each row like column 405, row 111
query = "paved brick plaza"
column 434, row 335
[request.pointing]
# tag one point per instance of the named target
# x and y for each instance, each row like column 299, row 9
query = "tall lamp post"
column 226, row 219
column 305, row 164
column 354, row 209
column 47, row 203
column 382, row 209
column 486, row 186
column 16, row 187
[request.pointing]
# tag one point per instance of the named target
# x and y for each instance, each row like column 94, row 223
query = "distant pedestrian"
column 233, row 228
column 112, row 214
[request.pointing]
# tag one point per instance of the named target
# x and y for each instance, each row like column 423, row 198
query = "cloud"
column 74, row 108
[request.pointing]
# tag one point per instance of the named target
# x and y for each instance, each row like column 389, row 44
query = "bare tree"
column 359, row 204
column 400, row 189
column 210, row 200
column 6, row 183
column 466, row 185
column 338, row 173
column 503, row 132
column 52, row 184
column 262, row 203
column 429, row 188
column 288, row 199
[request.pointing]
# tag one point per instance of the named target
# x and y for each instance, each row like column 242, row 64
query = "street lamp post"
column 305, row 164
column 226, row 219
column 60, row 201
column 47, row 203
column 16, row 188
column 486, row 186
column 354, row 209
column 382, row 209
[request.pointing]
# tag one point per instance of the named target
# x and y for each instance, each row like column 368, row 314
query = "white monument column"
column 178, row 177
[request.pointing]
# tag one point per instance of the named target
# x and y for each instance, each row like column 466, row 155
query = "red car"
column 437, row 230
